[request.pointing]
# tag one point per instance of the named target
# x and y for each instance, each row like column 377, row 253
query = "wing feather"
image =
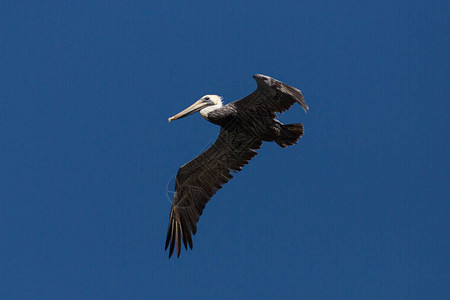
column 198, row 180
column 271, row 96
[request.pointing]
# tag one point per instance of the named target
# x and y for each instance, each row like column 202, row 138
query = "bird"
column 244, row 125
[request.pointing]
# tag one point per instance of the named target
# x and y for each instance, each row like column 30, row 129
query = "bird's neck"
column 204, row 112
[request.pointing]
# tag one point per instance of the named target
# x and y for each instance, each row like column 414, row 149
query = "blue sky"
column 357, row 210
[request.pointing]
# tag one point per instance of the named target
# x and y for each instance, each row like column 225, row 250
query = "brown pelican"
column 244, row 125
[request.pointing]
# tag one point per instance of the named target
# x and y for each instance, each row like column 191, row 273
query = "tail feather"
column 289, row 134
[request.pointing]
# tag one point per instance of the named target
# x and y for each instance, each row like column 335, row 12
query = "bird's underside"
column 245, row 124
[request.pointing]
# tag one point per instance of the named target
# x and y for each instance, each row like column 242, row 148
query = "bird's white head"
column 216, row 103
column 205, row 105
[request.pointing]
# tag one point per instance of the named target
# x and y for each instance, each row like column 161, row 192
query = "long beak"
column 190, row 110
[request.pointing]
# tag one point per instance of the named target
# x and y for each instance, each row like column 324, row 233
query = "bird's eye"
column 206, row 98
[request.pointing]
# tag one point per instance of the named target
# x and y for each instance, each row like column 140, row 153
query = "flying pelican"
column 244, row 125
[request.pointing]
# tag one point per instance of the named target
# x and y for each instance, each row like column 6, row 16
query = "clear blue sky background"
column 359, row 209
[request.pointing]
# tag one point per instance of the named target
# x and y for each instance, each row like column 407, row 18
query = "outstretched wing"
column 198, row 180
column 270, row 97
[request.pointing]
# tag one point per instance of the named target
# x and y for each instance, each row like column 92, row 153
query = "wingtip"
column 170, row 251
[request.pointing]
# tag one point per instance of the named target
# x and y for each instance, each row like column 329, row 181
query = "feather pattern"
column 245, row 124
